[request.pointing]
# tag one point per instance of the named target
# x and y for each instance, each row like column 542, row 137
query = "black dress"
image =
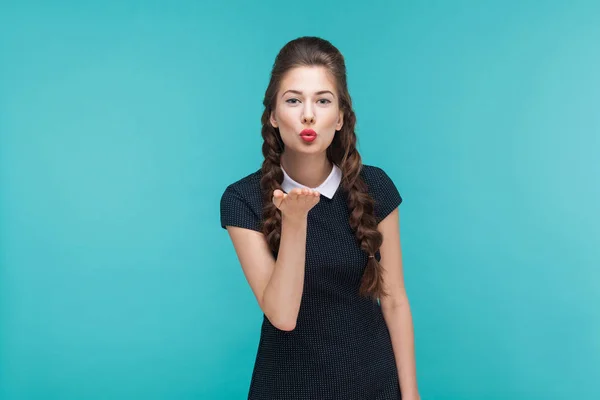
column 340, row 347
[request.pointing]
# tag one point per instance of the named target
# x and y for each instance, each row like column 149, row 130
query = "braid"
column 362, row 210
column 363, row 223
column 272, row 177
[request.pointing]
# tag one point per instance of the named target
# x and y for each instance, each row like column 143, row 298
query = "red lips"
column 308, row 135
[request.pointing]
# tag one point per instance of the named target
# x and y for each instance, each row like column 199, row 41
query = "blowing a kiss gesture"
column 297, row 203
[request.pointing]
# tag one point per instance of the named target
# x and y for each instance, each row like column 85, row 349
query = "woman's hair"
column 307, row 52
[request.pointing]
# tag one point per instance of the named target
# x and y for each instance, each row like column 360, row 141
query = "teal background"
column 122, row 122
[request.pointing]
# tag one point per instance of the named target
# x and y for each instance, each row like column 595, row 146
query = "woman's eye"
column 293, row 101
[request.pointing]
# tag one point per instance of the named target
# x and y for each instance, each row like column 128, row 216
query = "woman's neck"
column 307, row 170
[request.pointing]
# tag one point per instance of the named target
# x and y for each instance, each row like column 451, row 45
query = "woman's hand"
column 297, row 203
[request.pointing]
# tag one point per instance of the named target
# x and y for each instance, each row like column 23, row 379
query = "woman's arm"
column 396, row 307
column 276, row 284
column 284, row 291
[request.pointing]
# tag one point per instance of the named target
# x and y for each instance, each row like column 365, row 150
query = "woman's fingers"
column 298, row 200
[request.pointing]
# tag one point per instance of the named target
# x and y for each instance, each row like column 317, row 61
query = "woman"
column 317, row 236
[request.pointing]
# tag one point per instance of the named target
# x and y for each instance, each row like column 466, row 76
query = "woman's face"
column 307, row 98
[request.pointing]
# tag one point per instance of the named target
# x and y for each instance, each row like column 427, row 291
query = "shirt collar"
column 327, row 188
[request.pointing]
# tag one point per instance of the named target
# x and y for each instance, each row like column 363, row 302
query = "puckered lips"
column 308, row 135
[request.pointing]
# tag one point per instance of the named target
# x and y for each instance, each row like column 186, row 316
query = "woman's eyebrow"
column 299, row 92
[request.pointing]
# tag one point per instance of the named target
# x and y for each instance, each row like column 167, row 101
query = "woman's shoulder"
column 247, row 184
column 241, row 202
column 370, row 169
column 373, row 174
column 382, row 188
column 245, row 189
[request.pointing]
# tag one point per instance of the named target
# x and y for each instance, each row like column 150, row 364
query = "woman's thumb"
column 278, row 197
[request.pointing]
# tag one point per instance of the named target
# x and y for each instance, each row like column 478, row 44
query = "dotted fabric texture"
column 340, row 348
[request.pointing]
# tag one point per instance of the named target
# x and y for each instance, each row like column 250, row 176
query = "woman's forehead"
column 308, row 79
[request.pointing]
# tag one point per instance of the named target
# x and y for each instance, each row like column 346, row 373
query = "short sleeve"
column 387, row 196
column 236, row 211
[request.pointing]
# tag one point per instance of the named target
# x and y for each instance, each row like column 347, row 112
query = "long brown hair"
column 314, row 51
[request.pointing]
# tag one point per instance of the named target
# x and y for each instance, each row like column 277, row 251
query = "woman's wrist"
column 294, row 219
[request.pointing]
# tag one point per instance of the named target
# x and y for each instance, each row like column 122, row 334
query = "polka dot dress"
column 340, row 348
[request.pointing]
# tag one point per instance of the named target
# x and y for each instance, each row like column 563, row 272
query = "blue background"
column 122, row 122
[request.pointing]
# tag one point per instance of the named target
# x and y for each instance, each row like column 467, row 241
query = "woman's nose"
column 308, row 118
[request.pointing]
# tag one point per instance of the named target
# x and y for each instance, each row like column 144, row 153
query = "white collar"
column 327, row 188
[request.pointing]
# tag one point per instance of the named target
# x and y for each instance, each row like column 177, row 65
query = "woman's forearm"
column 400, row 325
column 282, row 295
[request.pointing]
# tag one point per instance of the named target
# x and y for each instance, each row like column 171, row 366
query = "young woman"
column 317, row 236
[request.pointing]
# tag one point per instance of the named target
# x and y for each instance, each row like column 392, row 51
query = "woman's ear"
column 272, row 120
column 340, row 121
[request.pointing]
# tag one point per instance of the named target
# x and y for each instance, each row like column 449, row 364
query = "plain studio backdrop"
column 122, row 122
